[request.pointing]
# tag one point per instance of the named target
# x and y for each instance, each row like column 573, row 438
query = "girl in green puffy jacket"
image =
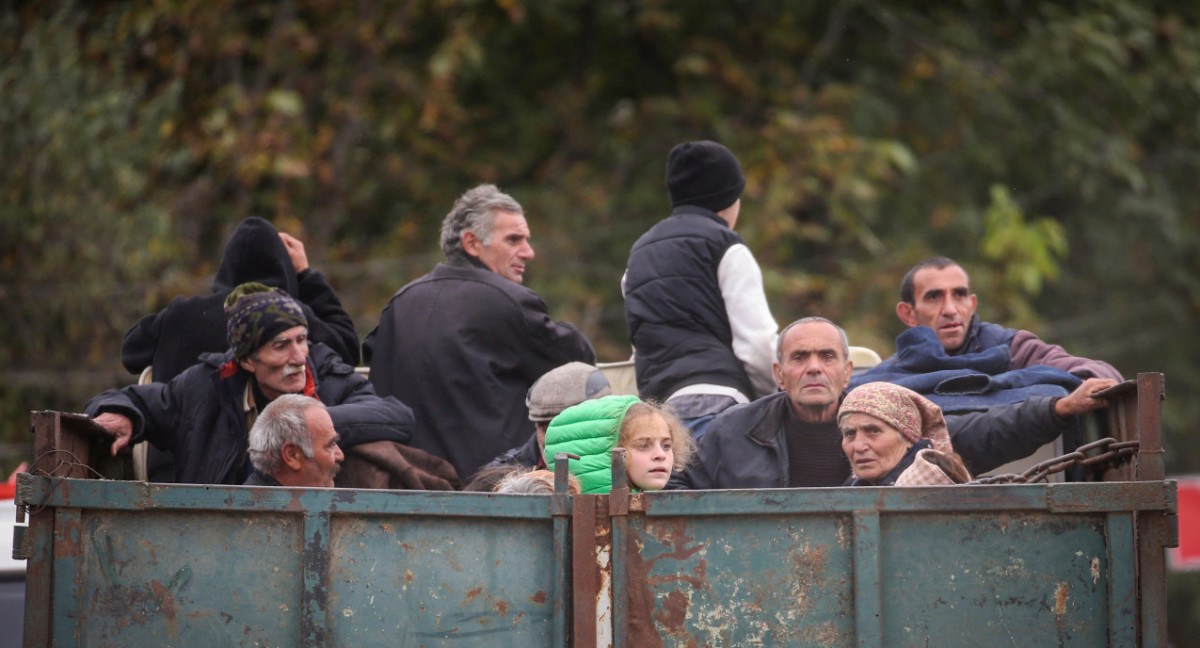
column 655, row 442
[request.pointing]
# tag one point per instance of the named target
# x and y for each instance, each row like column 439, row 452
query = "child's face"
column 649, row 457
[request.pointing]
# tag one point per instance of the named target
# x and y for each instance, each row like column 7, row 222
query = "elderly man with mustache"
column 204, row 414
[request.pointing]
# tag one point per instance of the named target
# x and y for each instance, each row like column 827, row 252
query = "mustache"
column 291, row 370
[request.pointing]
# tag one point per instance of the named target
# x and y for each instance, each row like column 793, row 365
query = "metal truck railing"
column 123, row 563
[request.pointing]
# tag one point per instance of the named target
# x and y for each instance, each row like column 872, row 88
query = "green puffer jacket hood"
column 590, row 430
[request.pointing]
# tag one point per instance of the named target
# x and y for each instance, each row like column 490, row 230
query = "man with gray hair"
column 463, row 344
column 293, row 443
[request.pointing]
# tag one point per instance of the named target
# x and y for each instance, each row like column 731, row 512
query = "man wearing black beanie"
column 702, row 332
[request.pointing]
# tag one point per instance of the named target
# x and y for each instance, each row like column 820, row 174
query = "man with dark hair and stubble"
column 936, row 293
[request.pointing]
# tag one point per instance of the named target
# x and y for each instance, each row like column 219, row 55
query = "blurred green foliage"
column 1052, row 148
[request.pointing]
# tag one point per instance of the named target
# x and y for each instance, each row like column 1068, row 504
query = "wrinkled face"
column 648, row 452
column 872, row 446
column 813, row 371
column 944, row 303
column 278, row 365
column 320, row 469
column 508, row 250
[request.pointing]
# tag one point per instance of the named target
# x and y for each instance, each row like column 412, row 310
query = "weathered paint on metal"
column 1122, row 582
column 868, row 603
column 560, row 508
column 314, row 597
column 164, row 565
column 892, row 567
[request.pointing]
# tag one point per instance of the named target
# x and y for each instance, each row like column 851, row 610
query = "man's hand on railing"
column 119, row 426
column 1082, row 401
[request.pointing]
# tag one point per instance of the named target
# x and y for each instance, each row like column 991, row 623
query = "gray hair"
column 475, row 211
column 281, row 422
column 533, row 482
column 811, row 320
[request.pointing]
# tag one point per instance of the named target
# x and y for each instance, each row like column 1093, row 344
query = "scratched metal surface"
column 441, row 582
column 1032, row 579
column 963, row 566
column 152, row 565
column 737, row 581
column 185, row 578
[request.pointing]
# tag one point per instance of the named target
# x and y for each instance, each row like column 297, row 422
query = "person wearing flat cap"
column 894, row 436
column 702, row 332
column 556, row 390
column 204, row 415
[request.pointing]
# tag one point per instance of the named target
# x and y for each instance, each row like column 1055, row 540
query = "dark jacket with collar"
column 462, row 345
column 173, row 339
column 528, row 455
column 674, row 310
column 199, row 415
column 746, row 446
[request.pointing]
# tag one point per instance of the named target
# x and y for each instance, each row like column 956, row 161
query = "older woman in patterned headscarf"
column 895, row 436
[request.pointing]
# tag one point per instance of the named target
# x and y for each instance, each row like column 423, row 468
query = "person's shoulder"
column 326, row 360
column 470, row 277
column 740, row 418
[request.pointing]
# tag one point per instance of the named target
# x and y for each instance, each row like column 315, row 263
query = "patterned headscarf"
column 914, row 416
column 255, row 313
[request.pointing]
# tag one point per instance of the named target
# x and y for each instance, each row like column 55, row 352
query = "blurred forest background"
column 1052, row 148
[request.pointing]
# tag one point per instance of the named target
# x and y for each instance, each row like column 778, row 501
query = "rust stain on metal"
column 471, row 594
column 408, row 576
column 501, row 607
column 1096, row 570
column 1060, row 599
column 538, row 597
column 680, row 547
column 674, row 611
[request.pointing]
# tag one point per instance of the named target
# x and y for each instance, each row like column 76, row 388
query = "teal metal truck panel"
column 956, row 566
column 145, row 564
column 139, row 564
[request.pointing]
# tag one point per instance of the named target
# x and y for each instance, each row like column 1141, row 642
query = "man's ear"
column 246, row 363
column 905, row 312
column 849, row 375
column 471, row 243
column 778, row 375
column 292, row 456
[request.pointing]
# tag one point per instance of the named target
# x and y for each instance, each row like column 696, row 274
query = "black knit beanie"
column 704, row 174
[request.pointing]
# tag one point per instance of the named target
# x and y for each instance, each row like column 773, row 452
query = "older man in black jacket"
column 791, row 439
column 204, row 413
column 463, row 344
